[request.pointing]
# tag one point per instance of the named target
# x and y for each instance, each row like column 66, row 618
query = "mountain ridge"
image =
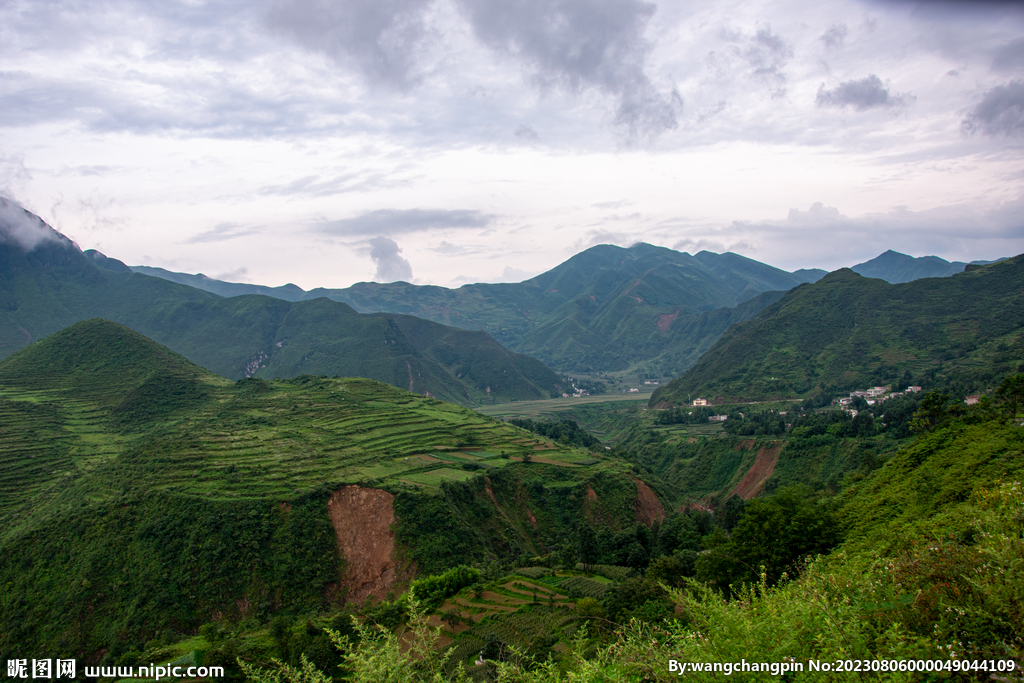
column 606, row 308
column 848, row 332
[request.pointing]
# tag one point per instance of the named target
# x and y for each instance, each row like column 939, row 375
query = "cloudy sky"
column 325, row 142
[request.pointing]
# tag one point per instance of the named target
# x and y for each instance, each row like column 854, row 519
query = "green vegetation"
column 565, row 432
column 153, row 511
column 143, row 497
column 845, row 332
column 894, row 267
column 928, row 571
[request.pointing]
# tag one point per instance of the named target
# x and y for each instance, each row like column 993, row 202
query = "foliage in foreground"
column 923, row 604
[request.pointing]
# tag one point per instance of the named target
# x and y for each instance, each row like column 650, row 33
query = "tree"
column 933, row 411
column 773, row 533
column 587, row 543
column 1011, row 394
column 452, row 618
column 672, row 569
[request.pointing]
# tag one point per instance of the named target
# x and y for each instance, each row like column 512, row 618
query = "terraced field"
column 507, row 597
column 99, row 399
column 534, row 615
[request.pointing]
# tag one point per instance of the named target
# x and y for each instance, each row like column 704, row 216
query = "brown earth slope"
column 647, row 508
column 362, row 521
column 763, row 467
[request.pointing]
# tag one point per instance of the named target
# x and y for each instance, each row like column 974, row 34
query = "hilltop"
column 48, row 284
column 896, row 268
column 848, row 332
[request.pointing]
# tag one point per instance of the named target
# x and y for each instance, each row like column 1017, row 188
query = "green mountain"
column 606, row 308
column 848, row 332
column 141, row 494
column 52, row 285
column 896, row 268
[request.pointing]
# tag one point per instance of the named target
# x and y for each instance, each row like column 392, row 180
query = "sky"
column 328, row 142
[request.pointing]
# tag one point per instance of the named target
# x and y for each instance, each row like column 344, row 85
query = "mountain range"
column 51, row 284
column 645, row 308
column 608, row 308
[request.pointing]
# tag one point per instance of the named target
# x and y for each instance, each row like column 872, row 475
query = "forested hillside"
column 846, row 332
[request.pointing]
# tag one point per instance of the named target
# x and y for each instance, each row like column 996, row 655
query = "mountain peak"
column 25, row 229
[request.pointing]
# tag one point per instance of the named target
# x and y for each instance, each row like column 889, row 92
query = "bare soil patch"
column 362, row 519
column 665, row 320
column 764, row 465
column 647, row 509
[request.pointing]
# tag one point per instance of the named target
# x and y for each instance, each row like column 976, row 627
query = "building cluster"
column 872, row 396
column 576, row 391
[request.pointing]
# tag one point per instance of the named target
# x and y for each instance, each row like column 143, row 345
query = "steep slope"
column 48, row 284
column 847, row 332
column 232, row 501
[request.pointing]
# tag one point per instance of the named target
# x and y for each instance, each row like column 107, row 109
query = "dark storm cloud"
column 1000, row 112
column 390, row 266
column 395, row 221
column 864, row 94
column 577, row 44
column 380, row 38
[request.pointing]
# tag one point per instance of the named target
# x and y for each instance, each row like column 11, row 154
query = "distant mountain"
column 606, row 308
column 849, row 332
column 896, row 268
column 287, row 292
column 809, row 274
column 47, row 284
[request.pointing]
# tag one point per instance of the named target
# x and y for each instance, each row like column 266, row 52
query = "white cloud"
column 390, row 266
column 19, row 227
